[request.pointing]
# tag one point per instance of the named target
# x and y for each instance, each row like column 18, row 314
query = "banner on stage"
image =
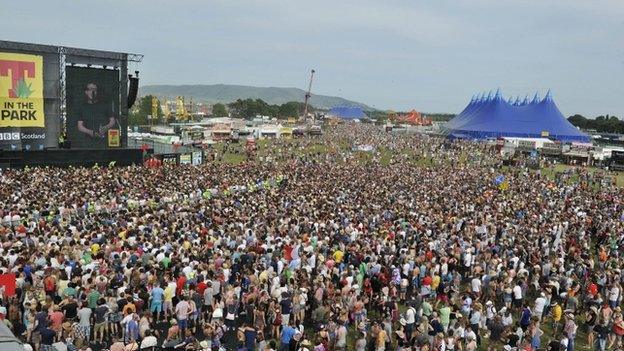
column 21, row 90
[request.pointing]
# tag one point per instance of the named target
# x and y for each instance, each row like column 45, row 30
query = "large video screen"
column 93, row 119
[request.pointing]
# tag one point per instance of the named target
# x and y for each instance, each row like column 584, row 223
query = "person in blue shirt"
column 28, row 273
column 525, row 318
column 288, row 332
column 250, row 335
column 156, row 298
column 132, row 329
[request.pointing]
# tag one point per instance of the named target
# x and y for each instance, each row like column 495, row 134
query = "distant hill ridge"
column 226, row 93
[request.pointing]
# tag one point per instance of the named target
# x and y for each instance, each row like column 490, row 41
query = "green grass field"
column 560, row 168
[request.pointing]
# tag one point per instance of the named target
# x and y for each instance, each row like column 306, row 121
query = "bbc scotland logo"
column 10, row 136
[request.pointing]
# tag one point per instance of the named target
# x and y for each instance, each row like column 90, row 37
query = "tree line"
column 247, row 108
column 142, row 109
column 603, row 124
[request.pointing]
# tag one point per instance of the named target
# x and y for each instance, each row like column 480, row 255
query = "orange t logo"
column 19, row 71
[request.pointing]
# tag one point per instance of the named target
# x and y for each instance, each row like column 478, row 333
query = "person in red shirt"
column 288, row 252
column 180, row 284
column 427, row 280
column 592, row 289
column 56, row 319
column 201, row 286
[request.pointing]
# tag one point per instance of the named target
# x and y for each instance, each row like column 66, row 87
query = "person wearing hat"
column 556, row 313
column 149, row 341
column 205, row 345
column 591, row 319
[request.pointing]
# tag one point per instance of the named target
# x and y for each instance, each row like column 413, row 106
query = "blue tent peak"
column 347, row 112
column 525, row 101
column 548, row 96
column 497, row 95
column 536, row 98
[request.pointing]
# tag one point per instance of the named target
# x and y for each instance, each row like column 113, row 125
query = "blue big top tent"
column 347, row 112
column 492, row 117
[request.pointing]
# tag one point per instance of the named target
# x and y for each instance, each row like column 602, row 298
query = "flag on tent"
column 499, row 179
column 8, row 284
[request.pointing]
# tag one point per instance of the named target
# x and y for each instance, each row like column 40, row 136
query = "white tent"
column 8, row 341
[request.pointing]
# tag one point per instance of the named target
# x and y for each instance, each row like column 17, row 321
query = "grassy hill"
column 226, row 93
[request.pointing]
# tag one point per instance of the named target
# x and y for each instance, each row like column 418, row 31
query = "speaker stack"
column 133, row 88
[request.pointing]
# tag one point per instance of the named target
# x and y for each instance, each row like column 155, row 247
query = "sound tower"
column 133, row 88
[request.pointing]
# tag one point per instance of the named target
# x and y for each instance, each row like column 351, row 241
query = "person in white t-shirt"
column 614, row 295
column 517, row 295
column 475, row 283
column 540, row 304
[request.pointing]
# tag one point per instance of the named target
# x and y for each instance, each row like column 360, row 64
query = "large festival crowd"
column 318, row 251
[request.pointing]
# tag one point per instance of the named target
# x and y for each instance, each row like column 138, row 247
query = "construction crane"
column 307, row 97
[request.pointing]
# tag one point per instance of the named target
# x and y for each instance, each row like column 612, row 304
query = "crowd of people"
column 420, row 244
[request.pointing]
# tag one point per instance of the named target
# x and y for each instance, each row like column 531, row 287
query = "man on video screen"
column 94, row 118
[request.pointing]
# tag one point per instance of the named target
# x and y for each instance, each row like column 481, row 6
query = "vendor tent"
column 493, row 117
column 8, row 341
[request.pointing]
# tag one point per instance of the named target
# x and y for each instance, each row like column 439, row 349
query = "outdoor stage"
column 71, row 157
column 66, row 82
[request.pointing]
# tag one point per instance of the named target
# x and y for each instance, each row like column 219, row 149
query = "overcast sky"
column 428, row 55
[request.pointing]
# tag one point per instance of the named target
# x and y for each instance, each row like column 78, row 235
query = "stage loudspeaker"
column 133, row 90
